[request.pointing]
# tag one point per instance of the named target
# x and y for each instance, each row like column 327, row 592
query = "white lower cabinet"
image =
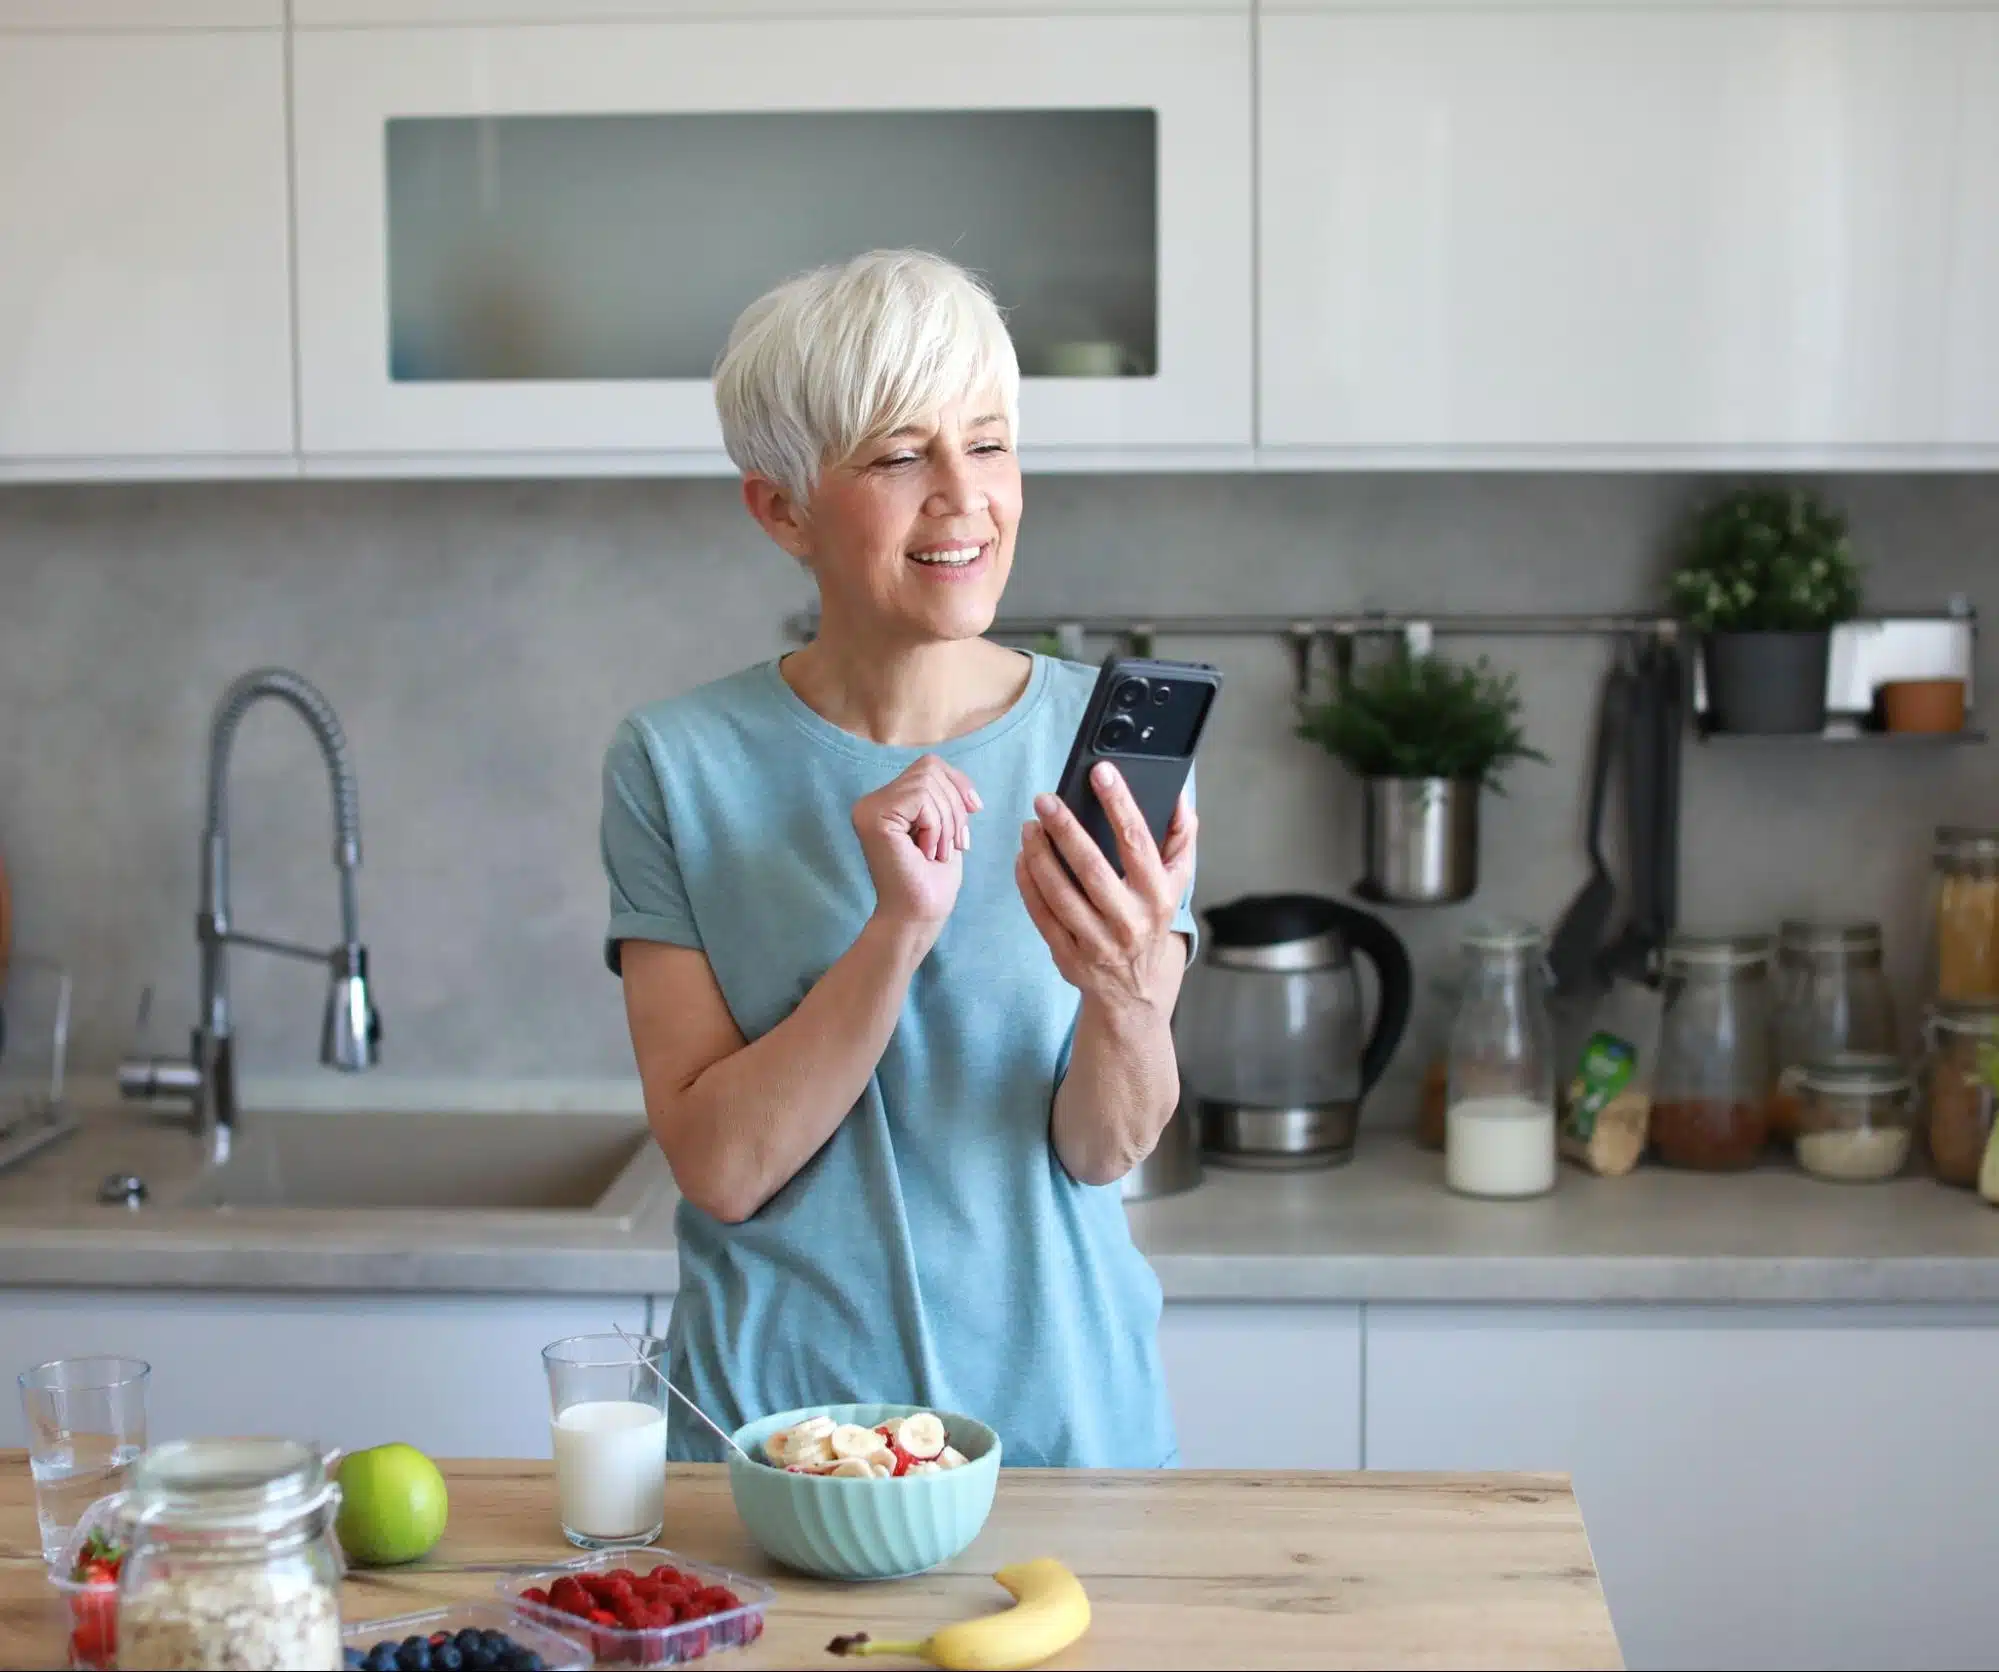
column 1763, row 1486
column 1264, row 1387
column 454, row 1375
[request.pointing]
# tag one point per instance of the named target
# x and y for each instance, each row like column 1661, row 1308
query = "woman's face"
column 913, row 535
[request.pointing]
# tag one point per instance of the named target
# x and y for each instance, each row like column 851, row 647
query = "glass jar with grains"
column 1958, row 1115
column 1711, row 1096
column 1856, row 1116
column 1832, row 996
column 1964, row 909
column 233, row 1563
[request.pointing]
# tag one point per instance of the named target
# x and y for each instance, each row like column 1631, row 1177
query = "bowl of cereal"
column 864, row 1491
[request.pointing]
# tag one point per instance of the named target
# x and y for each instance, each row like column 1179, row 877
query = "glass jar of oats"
column 233, row 1563
column 1964, row 893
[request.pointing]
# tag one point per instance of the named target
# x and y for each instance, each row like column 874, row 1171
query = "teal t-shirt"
column 935, row 1250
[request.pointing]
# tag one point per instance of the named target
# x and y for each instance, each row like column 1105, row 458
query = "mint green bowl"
column 865, row 1529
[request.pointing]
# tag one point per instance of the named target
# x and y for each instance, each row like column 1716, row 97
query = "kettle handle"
column 1382, row 947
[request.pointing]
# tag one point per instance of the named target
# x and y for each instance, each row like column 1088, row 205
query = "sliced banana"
column 852, row 1468
column 922, row 1436
column 851, row 1440
column 926, row 1468
column 882, row 1465
column 776, row 1447
column 951, row 1458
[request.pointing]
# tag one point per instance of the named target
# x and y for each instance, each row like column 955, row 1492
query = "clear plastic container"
column 674, row 1645
column 1832, row 997
column 1711, row 1099
column 1856, row 1117
column 1958, row 1098
column 562, row 1652
column 89, row 1612
column 1964, row 913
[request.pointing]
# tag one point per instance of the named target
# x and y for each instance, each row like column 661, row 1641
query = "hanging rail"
column 1302, row 632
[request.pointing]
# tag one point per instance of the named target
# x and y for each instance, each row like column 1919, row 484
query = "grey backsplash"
column 481, row 639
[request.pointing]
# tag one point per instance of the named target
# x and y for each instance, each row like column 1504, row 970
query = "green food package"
column 1609, row 1064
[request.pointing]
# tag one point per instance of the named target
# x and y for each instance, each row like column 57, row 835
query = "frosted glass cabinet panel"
column 533, row 241
column 1633, row 230
column 487, row 216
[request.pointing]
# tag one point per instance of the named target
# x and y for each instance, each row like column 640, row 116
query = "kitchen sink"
column 600, row 1169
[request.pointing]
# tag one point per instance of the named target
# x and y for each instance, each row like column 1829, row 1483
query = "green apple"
column 392, row 1505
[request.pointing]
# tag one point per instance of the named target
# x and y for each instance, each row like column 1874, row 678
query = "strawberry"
column 666, row 1575
column 534, row 1593
column 568, row 1594
column 902, row 1459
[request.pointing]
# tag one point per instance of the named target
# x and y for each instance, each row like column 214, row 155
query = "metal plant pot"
column 1422, row 840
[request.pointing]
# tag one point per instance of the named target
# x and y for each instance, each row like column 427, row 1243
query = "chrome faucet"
column 351, row 1030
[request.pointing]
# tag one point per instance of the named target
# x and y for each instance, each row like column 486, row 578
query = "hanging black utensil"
column 1579, row 936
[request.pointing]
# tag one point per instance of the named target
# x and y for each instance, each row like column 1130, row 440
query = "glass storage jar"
column 233, row 1562
column 1856, row 1116
column 1499, row 1119
column 1711, row 1095
column 1832, row 997
column 1964, row 913
column 1957, row 1096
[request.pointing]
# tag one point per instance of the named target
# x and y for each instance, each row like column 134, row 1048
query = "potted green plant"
column 1765, row 576
column 1426, row 735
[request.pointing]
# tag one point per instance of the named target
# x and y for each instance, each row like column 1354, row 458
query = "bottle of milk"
column 1499, row 1116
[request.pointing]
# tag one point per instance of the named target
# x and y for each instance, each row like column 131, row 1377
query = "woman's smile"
column 957, row 560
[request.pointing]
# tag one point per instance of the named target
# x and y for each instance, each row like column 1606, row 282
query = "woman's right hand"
column 914, row 831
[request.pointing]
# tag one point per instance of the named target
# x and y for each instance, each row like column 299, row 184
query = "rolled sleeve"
column 648, row 894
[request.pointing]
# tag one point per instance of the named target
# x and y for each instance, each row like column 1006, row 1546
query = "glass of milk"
column 607, row 1423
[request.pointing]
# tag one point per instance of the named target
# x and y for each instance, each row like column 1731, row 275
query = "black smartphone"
column 1146, row 718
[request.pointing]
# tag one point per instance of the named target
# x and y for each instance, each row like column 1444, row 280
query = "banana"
column 1050, row 1612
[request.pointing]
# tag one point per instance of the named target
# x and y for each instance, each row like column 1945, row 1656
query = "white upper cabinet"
column 1646, row 236
column 529, row 243
column 319, row 13
column 144, row 303
column 142, row 14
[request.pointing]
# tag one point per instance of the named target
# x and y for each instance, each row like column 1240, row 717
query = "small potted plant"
column 1425, row 735
column 1766, row 575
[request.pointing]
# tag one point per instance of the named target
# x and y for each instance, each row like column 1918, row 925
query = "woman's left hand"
column 1113, row 936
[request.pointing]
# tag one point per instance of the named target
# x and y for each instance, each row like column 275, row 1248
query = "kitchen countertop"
column 1380, row 1229
column 1183, row 1568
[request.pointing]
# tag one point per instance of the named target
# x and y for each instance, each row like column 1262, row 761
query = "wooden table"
column 1183, row 1567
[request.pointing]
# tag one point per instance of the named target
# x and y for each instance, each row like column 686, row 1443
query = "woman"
column 897, row 1071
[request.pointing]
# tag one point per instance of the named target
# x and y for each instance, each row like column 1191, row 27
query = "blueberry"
column 381, row 1658
column 414, row 1656
column 479, row 1658
column 467, row 1640
column 353, row 1659
column 532, row 1662
column 497, row 1643
column 446, row 1658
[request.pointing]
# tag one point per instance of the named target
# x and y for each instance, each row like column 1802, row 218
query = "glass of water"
column 86, row 1423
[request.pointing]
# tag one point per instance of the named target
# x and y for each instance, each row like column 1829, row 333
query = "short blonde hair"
column 844, row 354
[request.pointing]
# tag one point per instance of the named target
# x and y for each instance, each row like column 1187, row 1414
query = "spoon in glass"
column 639, row 1357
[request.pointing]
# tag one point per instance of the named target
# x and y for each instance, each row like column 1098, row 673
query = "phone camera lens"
column 1116, row 732
column 1161, row 695
column 1130, row 693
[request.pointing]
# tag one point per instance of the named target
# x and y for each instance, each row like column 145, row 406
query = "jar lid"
column 1717, row 951
column 1970, row 1016
column 1964, row 841
column 250, row 1484
column 1502, row 935
column 1857, row 1074
column 1819, row 936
